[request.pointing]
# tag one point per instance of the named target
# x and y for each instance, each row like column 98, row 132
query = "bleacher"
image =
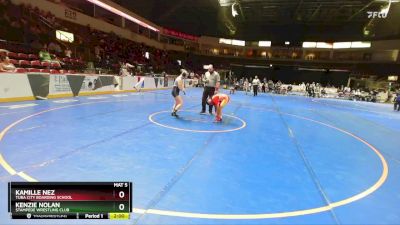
column 27, row 60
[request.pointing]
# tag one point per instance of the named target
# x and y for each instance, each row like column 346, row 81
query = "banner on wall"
column 75, row 83
column 59, row 85
column 98, row 83
column 39, row 84
column 156, row 81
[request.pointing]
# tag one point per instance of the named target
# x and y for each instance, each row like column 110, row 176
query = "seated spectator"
column 6, row 65
column 56, row 59
column 44, row 55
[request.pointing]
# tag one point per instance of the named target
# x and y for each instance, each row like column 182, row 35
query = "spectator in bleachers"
column 125, row 67
column 44, row 55
column 68, row 52
column 6, row 65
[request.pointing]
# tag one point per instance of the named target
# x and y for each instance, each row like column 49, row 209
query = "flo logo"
column 382, row 14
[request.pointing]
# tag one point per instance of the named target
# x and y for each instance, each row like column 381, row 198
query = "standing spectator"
column 270, row 86
column 397, row 102
column 302, row 87
column 263, row 87
column 246, row 85
column 97, row 50
column 211, row 82
column 6, row 65
column 317, row 90
column 124, row 70
column 237, row 85
column 278, row 87
column 68, row 52
column 311, row 90
column 231, row 90
column 256, row 83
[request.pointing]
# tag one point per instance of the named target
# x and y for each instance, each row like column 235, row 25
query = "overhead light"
column 393, row 78
column 225, row 41
column 386, row 9
column 360, row 44
column 341, row 45
column 122, row 14
column 224, row 2
column 238, row 42
column 234, row 11
column 309, row 44
column 324, row 45
column 287, row 42
column 311, row 69
column 264, row 43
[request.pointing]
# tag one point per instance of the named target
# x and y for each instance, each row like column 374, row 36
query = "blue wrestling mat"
column 273, row 160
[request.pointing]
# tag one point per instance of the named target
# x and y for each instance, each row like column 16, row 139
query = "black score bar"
column 82, row 216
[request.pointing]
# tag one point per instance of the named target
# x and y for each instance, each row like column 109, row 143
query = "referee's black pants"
column 255, row 90
column 207, row 93
column 397, row 106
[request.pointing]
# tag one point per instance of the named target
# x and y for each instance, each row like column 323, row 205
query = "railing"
column 49, row 25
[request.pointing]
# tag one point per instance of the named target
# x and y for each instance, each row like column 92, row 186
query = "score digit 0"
column 121, row 194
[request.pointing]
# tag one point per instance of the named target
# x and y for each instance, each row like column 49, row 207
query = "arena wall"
column 36, row 86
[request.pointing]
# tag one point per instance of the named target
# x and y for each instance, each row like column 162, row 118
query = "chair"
column 45, row 64
column 24, row 63
column 55, row 65
column 14, row 61
column 36, row 64
column 44, row 70
column 33, row 70
column 54, row 71
column 12, row 55
column 20, row 70
column 33, row 57
column 23, row 56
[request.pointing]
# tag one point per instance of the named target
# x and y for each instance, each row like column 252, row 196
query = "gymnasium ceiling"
column 290, row 20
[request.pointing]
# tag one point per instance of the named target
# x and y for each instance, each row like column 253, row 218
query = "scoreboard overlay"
column 70, row 200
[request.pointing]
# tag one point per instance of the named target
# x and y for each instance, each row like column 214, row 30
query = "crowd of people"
column 256, row 85
column 314, row 90
column 35, row 30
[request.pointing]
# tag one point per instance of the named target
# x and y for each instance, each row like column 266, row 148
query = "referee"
column 211, row 82
column 256, row 82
